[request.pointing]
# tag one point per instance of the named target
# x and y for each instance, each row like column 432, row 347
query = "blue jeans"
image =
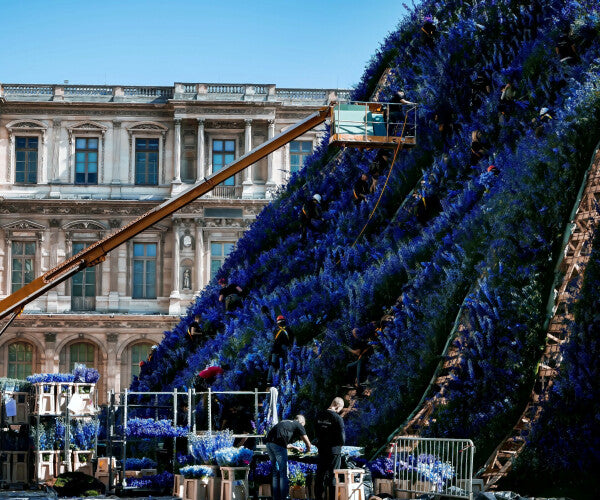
column 279, row 458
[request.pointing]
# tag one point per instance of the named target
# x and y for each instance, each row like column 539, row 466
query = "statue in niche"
column 187, row 279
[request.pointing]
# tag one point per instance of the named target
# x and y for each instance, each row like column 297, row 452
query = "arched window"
column 20, row 360
column 130, row 361
column 78, row 352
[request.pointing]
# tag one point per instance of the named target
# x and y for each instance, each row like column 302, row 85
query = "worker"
column 394, row 113
column 508, row 94
column 330, row 434
column 428, row 32
column 478, row 147
column 311, row 216
column 230, row 294
column 494, row 170
column 278, row 441
column 361, row 349
column 480, row 89
column 282, row 341
column 194, row 331
column 565, row 48
column 362, row 188
column 540, row 122
column 443, row 118
column 151, row 353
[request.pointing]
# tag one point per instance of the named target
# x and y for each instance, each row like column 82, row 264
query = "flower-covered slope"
column 447, row 229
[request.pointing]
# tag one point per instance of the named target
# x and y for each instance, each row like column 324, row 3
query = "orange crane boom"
column 96, row 253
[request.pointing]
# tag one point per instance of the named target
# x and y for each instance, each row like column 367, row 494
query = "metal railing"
column 430, row 465
column 399, row 119
column 227, row 192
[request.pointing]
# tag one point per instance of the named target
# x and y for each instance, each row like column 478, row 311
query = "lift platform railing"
column 373, row 124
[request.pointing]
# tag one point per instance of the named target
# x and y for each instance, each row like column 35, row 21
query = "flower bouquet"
column 234, row 456
column 202, row 472
column 205, row 446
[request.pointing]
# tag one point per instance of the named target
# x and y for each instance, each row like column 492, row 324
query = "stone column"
column 114, row 173
column 113, row 366
column 199, row 256
column 174, row 304
column 200, row 151
column 43, row 160
column 177, row 152
column 271, row 134
column 50, row 348
column 53, row 160
column 248, row 173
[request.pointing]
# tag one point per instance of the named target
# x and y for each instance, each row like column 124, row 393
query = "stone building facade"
column 78, row 162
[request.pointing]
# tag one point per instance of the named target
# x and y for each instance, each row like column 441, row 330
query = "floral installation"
column 161, row 481
column 487, row 251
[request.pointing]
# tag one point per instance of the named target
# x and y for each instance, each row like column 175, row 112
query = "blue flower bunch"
column 300, row 444
column 82, row 374
column 297, row 472
column 262, row 472
column 183, row 459
column 204, row 446
column 84, row 435
column 160, row 481
column 196, row 471
column 234, row 456
column 44, row 435
column 50, row 377
column 139, row 463
column 148, row 427
column 382, row 468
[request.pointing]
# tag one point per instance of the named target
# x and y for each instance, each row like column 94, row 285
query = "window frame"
column 300, row 153
column 145, row 259
column 34, row 260
column 28, row 136
column 84, row 273
column 220, row 258
column 147, row 152
column 213, row 138
column 86, row 137
column 32, row 364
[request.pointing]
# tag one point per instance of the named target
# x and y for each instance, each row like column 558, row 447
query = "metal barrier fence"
column 429, row 465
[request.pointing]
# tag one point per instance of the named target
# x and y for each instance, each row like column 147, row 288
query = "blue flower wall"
column 487, row 240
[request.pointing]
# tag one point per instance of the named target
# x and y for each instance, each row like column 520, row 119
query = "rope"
column 398, row 147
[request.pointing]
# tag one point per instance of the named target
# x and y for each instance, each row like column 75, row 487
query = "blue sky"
column 289, row 43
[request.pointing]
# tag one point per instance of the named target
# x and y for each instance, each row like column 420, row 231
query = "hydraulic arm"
column 97, row 252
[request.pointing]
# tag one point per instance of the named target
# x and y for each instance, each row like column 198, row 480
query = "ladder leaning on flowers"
column 573, row 264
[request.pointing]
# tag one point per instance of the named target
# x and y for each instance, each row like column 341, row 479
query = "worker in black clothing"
column 395, row 113
column 362, row 188
column 311, row 216
column 194, row 331
column 428, row 32
column 443, row 118
column 540, row 121
column 331, row 437
column 282, row 341
column 230, row 294
column 278, row 441
column 479, row 148
column 480, row 89
column 362, row 348
column 565, row 48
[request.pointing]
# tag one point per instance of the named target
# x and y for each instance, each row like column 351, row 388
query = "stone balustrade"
column 179, row 91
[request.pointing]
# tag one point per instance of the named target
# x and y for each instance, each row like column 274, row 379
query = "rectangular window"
column 86, row 160
column 83, row 285
column 20, row 360
column 23, row 257
column 223, row 153
column 144, row 271
column 26, row 154
column 218, row 253
column 299, row 151
column 146, row 162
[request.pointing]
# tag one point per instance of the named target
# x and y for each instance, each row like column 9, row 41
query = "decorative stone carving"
column 85, row 225
column 114, row 223
column 50, row 337
column 54, row 223
column 112, row 337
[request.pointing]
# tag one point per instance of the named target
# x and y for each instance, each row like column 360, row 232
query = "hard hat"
column 222, row 281
column 543, row 111
column 317, row 197
column 280, row 318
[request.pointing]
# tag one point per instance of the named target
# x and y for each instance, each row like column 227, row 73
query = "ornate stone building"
column 77, row 162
